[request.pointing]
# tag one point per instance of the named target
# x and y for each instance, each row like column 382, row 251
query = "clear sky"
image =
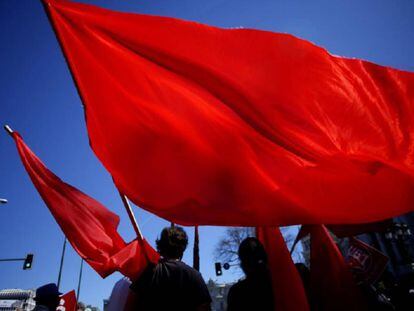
column 38, row 98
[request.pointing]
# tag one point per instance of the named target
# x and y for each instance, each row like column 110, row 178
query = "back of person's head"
column 253, row 257
column 48, row 295
column 172, row 243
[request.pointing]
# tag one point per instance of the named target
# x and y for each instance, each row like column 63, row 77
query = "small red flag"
column 288, row 290
column 366, row 262
column 88, row 225
column 203, row 125
column 332, row 286
column 68, row 302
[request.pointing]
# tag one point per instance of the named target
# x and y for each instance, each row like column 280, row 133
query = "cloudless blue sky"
column 39, row 99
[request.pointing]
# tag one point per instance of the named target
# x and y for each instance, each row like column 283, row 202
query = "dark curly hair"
column 172, row 243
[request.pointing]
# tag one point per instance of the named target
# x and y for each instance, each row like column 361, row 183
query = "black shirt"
column 170, row 285
column 251, row 294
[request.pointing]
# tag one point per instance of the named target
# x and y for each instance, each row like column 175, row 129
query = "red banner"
column 366, row 262
column 67, row 302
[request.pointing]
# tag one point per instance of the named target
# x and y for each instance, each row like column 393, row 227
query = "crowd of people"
column 173, row 285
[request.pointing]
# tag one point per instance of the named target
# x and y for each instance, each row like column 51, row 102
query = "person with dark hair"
column 47, row 298
column 171, row 284
column 255, row 291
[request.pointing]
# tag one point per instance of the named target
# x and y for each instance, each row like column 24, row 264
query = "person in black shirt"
column 171, row 284
column 255, row 291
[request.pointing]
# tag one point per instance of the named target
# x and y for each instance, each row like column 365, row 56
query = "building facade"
column 218, row 293
column 17, row 299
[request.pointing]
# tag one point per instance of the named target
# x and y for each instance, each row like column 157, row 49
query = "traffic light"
column 218, row 269
column 28, row 262
column 226, row 266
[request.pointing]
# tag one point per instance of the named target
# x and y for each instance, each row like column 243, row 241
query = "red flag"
column 288, row 290
column 202, row 125
column 88, row 225
column 68, row 302
column 331, row 282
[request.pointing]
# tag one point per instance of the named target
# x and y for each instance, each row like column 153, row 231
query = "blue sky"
column 38, row 98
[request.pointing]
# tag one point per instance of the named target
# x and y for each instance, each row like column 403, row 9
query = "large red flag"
column 202, row 125
column 88, row 225
column 288, row 290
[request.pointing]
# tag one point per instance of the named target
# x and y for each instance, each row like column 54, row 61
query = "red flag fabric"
column 88, row 225
column 68, row 302
column 332, row 286
column 202, row 125
column 288, row 289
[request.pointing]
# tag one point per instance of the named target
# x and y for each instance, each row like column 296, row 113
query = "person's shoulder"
column 189, row 270
column 239, row 286
column 240, row 283
column 180, row 265
column 236, row 295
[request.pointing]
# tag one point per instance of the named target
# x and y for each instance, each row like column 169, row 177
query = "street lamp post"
column 3, row 201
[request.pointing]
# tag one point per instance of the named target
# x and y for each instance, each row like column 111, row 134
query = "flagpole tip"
column 8, row 129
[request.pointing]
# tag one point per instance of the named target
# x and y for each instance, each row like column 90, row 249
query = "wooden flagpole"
column 131, row 216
